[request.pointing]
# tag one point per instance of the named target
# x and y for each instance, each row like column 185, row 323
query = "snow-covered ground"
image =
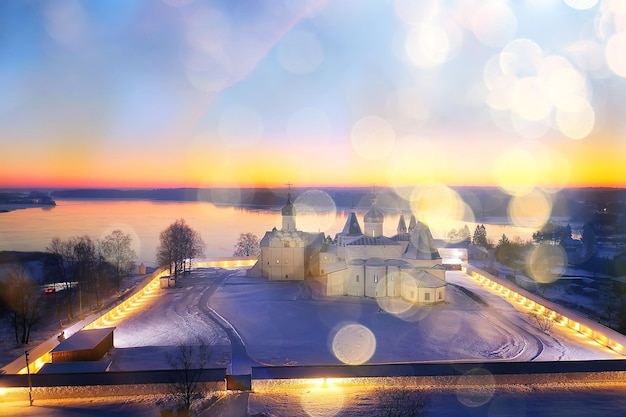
column 288, row 323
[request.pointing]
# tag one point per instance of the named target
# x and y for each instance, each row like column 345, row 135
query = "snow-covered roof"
column 83, row 340
column 374, row 215
column 310, row 239
column 421, row 244
column 372, row 241
column 425, row 279
column 352, row 227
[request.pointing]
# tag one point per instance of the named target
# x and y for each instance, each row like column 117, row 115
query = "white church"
column 358, row 262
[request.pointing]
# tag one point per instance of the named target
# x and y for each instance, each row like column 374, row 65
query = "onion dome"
column 375, row 215
column 289, row 209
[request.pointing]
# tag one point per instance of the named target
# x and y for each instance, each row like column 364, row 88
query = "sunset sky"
column 177, row 93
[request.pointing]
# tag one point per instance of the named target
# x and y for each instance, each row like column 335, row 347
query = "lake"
column 32, row 229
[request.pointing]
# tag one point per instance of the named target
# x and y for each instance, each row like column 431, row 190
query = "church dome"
column 375, row 215
column 289, row 209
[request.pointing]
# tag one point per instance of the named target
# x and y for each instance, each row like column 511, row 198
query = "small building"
column 526, row 283
column 85, row 345
column 167, row 281
column 477, row 253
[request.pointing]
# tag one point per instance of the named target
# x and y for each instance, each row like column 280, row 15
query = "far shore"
column 7, row 207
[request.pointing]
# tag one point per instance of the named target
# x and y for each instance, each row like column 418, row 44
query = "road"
column 241, row 363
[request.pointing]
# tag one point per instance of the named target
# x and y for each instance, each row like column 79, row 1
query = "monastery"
column 357, row 262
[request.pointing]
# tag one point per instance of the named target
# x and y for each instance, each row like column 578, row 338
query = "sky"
column 523, row 95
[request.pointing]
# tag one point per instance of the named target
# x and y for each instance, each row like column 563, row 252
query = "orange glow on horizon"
column 596, row 163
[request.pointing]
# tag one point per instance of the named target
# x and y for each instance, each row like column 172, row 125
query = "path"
column 241, row 363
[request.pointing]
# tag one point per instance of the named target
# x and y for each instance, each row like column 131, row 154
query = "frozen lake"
column 33, row 229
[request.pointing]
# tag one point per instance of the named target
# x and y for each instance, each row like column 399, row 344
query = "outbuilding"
column 85, row 345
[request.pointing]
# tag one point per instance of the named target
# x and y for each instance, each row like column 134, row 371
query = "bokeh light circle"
column 515, row 171
column 530, row 210
column 546, row 263
column 316, row 211
column 427, row 46
column 615, row 56
column 354, row 344
column 494, row 23
column 577, row 120
column 476, row 387
column 372, row 138
column 531, row 99
column 396, row 305
column 436, row 204
column 581, row 4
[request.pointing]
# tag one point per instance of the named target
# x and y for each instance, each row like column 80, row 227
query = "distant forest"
column 578, row 204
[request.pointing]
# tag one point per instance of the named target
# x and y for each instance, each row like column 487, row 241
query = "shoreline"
column 9, row 207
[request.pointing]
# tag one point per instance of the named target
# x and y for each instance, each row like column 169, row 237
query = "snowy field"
column 289, row 323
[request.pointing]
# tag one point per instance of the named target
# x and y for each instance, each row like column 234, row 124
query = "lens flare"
column 354, row 344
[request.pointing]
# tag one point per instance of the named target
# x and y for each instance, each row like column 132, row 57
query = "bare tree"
column 117, row 252
column 62, row 251
column 188, row 362
column 247, row 245
column 87, row 263
column 402, row 402
column 22, row 299
column 179, row 244
column 544, row 320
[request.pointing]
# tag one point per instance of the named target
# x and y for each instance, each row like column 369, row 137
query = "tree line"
column 81, row 273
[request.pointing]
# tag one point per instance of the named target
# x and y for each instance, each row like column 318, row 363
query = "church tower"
column 373, row 220
column 401, row 225
column 289, row 215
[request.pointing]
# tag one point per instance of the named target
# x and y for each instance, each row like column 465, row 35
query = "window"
column 286, row 243
column 427, row 296
column 375, row 278
column 440, row 295
column 357, row 278
column 277, row 261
